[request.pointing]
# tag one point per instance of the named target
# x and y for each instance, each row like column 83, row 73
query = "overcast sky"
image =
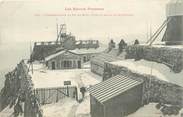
column 28, row 20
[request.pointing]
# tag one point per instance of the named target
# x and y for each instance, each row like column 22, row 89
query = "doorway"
column 79, row 64
column 53, row 65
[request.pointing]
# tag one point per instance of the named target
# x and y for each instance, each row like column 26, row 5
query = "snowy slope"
column 83, row 109
column 158, row 70
column 8, row 112
column 67, row 108
column 64, row 108
column 150, row 111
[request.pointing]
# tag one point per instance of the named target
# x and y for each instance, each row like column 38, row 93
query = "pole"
column 150, row 83
column 60, row 33
column 76, row 93
column 57, row 96
column 57, row 30
column 147, row 35
column 31, row 64
column 67, row 90
column 104, row 110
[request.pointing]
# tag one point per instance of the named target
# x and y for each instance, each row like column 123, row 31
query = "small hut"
column 117, row 96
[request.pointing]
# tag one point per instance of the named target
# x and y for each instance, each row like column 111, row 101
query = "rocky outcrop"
column 18, row 93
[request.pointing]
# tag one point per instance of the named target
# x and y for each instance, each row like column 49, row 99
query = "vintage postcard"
column 91, row 58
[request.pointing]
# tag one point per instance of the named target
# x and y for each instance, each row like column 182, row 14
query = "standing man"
column 83, row 91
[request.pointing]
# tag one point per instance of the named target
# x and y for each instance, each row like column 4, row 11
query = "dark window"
column 67, row 64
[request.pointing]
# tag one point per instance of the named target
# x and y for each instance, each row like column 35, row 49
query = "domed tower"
column 174, row 32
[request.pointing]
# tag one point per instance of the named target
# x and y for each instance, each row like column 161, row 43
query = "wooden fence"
column 53, row 95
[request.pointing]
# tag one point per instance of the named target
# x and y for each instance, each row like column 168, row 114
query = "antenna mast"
column 61, row 34
column 31, row 59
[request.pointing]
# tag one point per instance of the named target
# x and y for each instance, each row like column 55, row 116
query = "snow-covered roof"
column 78, row 52
column 88, row 51
column 54, row 55
column 158, row 70
column 106, row 57
column 112, row 87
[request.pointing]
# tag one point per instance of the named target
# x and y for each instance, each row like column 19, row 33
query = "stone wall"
column 87, row 44
column 172, row 57
column 42, row 50
column 154, row 90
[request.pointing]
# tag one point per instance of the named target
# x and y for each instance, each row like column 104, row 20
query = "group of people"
column 121, row 46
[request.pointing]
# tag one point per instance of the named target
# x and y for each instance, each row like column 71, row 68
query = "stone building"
column 97, row 63
column 71, row 59
column 63, row 60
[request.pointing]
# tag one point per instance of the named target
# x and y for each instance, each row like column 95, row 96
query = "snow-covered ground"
column 43, row 78
column 68, row 108
column 87, row 65
column 64, row 108
column 162, row 45
column 71, row 108
column 83, row 109
column 158, row 70
column 150, row 111
column 7, row 112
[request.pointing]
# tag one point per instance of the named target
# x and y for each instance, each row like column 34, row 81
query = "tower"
column 174, row 31
column 61, row 35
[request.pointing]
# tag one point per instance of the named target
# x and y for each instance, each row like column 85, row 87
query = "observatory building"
column 174, row 32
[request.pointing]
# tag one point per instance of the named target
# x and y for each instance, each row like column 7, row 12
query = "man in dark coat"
column 83, row 91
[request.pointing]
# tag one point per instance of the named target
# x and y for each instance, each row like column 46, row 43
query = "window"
column 84, row 59
column 67, row 64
